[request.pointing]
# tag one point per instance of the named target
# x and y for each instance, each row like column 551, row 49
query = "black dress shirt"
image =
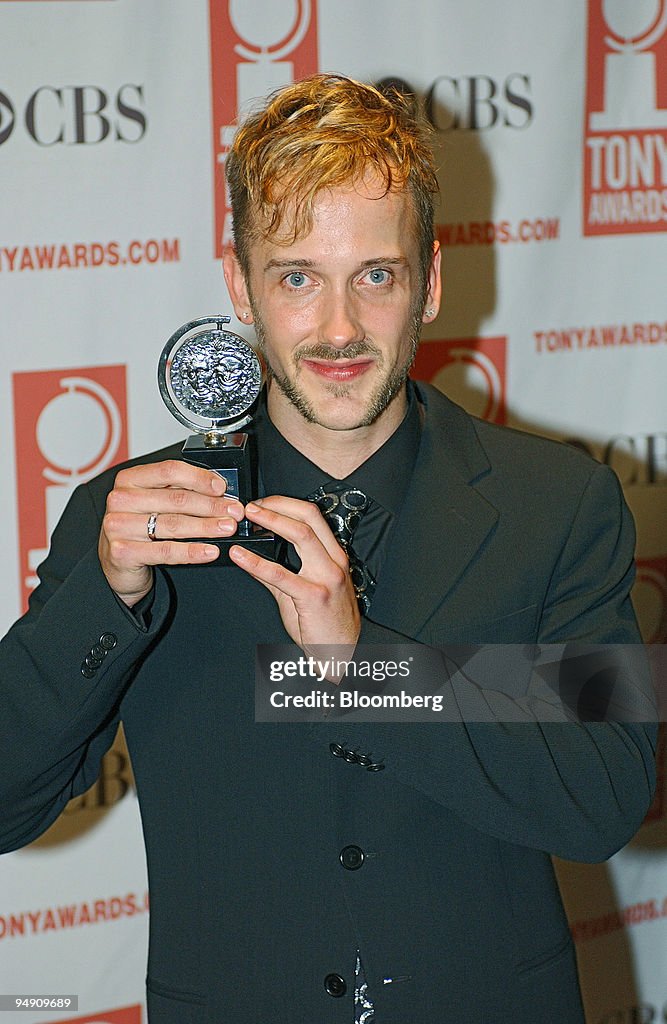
column 384, row 477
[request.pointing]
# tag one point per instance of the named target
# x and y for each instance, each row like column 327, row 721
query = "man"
column 334, row 870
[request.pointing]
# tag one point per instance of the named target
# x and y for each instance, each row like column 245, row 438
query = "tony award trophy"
column 209, row 379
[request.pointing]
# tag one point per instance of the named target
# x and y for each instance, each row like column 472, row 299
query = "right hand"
column 189, row 501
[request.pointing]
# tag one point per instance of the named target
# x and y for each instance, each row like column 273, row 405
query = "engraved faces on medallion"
column 215, row 374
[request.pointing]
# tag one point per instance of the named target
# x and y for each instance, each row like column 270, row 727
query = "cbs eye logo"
column 6, row 117
column 77, row 115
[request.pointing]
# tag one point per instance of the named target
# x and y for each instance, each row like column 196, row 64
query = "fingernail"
column 210, row 550
column 224, row 526
column 255, row 503
column 217, row 484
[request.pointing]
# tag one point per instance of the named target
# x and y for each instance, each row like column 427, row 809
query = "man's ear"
column 236, row 284
column 433, row 286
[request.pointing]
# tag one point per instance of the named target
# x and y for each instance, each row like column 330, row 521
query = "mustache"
column 329, row 352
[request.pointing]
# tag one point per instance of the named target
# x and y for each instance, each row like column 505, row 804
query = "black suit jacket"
column 504, row 538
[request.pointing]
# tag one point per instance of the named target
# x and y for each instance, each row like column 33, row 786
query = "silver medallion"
column 209, row 378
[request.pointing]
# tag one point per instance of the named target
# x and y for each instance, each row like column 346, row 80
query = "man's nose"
column 340, row 325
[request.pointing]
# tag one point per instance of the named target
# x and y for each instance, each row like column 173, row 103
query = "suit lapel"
column 442, row 524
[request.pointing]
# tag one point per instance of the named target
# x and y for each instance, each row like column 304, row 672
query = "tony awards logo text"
column 625, row 145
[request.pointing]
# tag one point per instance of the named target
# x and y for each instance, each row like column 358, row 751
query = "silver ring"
column 151, row 525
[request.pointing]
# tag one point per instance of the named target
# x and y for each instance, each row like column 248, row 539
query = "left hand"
column 318, row 604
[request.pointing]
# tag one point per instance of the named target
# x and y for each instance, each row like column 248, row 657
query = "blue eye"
column 296, row 279
column 377, row 276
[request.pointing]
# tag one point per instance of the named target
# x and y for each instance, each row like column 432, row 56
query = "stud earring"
column 245, row 315
column 429, row 313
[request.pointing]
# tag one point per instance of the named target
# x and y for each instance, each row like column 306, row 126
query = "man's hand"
column 318, row 604
column 189, row 502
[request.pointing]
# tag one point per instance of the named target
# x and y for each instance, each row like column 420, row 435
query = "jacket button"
column 335, row 986
column 87, row 671
column 92, row 662
column 352, row 857
column 98, row 651
column 108, row 641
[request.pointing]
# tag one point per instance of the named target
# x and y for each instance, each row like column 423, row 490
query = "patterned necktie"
column 343, row 507
column 364, row 1009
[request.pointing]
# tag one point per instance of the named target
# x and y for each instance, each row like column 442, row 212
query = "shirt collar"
column 384, row 476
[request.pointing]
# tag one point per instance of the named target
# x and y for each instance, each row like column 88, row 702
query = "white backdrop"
column 115, row 118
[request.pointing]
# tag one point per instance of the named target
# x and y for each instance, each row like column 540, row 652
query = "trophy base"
column 260, row 542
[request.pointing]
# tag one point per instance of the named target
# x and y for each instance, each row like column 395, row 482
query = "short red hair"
column 320, row 133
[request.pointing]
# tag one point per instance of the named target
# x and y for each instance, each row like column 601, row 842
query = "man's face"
column 338, row 313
